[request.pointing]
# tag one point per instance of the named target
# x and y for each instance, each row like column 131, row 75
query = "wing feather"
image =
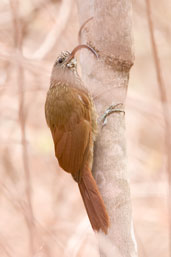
column 71, row 145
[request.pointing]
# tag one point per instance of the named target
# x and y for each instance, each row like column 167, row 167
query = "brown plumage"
column 71, row 116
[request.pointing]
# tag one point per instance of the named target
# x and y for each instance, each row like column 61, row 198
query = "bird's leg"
column 111, row 109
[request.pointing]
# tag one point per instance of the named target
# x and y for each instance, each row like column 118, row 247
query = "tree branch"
column 107, row 79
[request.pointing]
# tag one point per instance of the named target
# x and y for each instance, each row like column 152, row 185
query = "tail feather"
column 93, row 202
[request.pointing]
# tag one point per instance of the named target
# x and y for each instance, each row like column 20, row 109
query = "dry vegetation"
column 41, row 211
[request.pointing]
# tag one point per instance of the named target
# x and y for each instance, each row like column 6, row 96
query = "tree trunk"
column 109, row 33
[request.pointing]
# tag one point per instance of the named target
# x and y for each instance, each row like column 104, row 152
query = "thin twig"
column 30, row 219
column 81, row 29
column 163, row 96
column 22, row 119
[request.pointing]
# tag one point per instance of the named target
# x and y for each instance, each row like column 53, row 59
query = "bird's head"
column 68, row 60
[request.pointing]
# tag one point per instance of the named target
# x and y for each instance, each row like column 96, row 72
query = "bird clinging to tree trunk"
column 71, row 117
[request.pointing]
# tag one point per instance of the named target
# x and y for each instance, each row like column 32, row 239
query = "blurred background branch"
column 18, row 40
column 54, row 35
column 166, row 111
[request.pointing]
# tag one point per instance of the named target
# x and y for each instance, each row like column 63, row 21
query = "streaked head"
column 67, row 59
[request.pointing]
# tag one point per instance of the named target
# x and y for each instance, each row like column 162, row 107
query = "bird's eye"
column 60, row 60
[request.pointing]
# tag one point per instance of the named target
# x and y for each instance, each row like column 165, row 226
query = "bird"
column 71, row 116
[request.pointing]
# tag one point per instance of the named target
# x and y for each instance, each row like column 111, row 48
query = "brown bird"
column 71, row 117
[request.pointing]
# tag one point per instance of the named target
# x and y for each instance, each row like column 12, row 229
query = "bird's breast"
column 63, row 104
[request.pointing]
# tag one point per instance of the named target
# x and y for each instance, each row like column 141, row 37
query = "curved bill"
column 77, row 48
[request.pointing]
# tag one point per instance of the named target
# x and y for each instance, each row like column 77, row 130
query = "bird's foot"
column 111, row 109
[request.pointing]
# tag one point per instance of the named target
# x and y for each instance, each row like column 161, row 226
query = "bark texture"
column 109, row 33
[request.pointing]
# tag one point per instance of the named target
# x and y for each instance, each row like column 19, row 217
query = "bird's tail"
column 93, row 202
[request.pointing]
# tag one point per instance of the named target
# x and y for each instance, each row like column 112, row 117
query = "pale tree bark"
column 109, row 33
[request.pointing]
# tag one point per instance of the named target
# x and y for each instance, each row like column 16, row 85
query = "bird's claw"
column 111, row 109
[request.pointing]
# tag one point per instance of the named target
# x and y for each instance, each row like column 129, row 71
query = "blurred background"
column 32, row 186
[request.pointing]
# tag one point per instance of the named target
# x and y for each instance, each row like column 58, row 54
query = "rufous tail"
column 93, row 202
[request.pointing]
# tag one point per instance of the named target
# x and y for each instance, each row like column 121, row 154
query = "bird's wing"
column 71, row 146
